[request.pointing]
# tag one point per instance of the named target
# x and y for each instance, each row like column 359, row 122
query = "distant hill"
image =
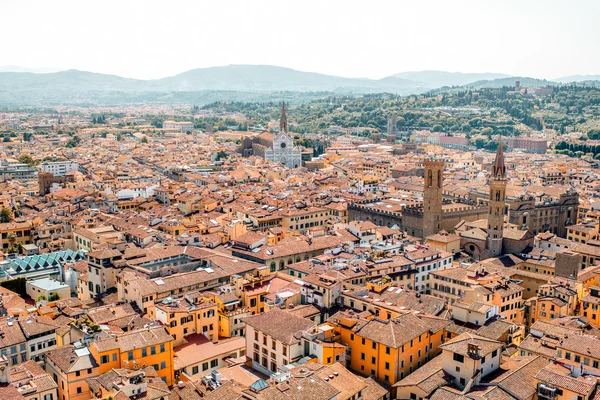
column 65, row 80
column 268, row 78
column 502, row 82
column 436, row 79
column 240, row 81
column 578, row 78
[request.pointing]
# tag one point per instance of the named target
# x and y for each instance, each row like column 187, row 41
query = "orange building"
column 70, row 366
column 137, row 349
column 389, row 349
column 186, row 316
column 590, row 304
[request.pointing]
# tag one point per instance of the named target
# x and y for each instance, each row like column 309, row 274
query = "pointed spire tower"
column 283, row 124
column 496, row 205
column 498, row 169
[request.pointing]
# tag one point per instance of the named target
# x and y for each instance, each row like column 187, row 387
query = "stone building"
column 278, row 148
column 432, row 197
column 437, row 212
column 489, row 238
column 496, row 206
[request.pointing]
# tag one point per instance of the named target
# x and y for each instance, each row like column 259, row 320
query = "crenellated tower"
column 432, row 196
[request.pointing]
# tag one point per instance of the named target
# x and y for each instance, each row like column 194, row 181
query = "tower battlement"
column 434, row 163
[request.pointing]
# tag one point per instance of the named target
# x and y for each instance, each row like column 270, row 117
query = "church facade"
column 278, row 148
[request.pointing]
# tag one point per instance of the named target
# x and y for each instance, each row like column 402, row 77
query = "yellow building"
column 590, row 304
column 185, row 316
column 137, row 349
column 16, row 233
column 70, row 366
column 389, row 349
column 582, row 233
column 302, row 219
column 230, row 312
column 444, row 241
column 505, row 295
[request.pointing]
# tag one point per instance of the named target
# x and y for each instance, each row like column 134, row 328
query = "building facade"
column 278, row 148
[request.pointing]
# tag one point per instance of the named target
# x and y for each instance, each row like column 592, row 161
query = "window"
column 214, row 363
column 153, row 350
column 130, row 356
column 352, row 336
column 114, row 356
column 494, row 353
column 362, row 356
column 104, row 359
column 387, row 365
column 204, row 366
column 162, row 348
column 144, row 352
column 458, row 358
column 195, row 370
column 163, row 365
column 79, row 389
column 387, row 350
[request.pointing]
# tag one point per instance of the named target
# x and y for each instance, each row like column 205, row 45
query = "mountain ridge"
column 75, row 85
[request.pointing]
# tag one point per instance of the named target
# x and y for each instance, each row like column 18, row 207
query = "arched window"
column 430, row 178
column 498, row 195
column 439, row 182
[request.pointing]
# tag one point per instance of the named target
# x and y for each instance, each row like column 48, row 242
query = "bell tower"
column 496, row 205
column 283, row 122
column 432, row 196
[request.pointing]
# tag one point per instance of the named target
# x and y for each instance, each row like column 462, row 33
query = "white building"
column 183, row 126
column 427, row 259
column 40, row 336
column 273, row 339
column 279, row 148
column 475, row 313
column 468, row 358
column 46, row 288
column 59, row 168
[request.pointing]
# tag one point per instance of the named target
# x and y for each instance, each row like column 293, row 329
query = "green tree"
column 221, row 154
column 144, row 140
column 5, row 215
column 73, row 142
column 27, row 159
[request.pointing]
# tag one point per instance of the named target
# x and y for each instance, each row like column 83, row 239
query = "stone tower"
column 432, row 197
column 391, row 124
column 283, row 123
column 496, row 205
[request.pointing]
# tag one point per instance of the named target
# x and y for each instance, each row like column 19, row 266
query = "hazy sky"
column 367, row 38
